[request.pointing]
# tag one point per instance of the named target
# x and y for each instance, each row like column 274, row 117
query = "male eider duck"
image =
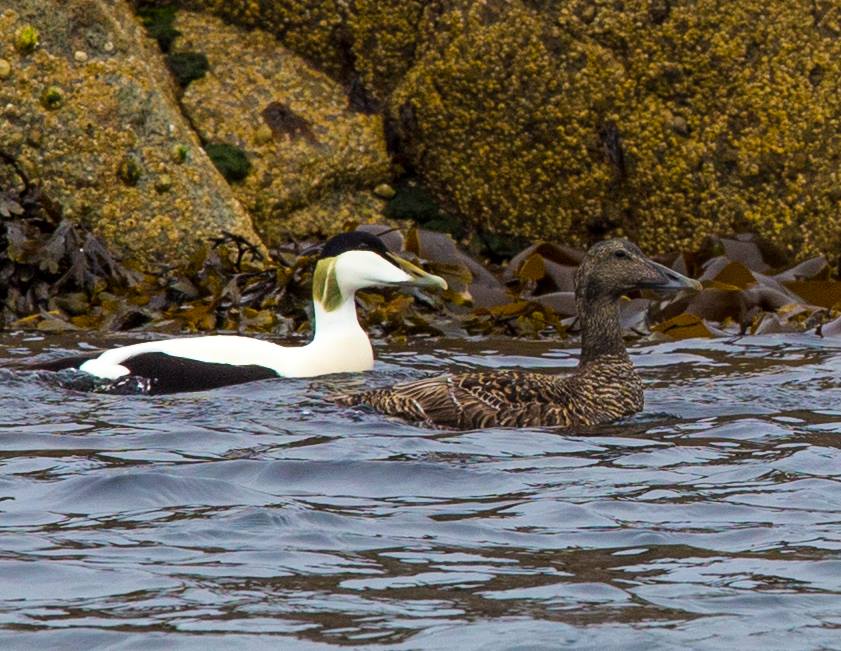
column 603, row 388
column 347, row 263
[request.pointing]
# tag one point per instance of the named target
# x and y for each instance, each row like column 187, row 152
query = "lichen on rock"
column 665, row 121
column 77, row 130
column 305, row 147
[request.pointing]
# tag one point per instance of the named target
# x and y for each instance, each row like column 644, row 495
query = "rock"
column 664, row 123
column 112, row 118
column 332, row 213
column 5, row 69
column 309, row 153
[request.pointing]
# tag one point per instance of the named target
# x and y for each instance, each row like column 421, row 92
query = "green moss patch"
column 158, row 22
column 187, row 66
column 231, row 161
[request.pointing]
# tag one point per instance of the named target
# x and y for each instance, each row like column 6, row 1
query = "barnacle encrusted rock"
column 313, row 29
column 665, row 121
column 306, row 149
column 367, row 43
column 384, row 37
column 575, row 120
column 98, row 137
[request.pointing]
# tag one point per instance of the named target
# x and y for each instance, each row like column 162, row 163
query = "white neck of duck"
column 339, row 344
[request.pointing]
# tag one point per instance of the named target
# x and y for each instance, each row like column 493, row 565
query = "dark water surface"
column 263, row 516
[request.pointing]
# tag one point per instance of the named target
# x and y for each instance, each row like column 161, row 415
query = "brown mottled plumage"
column 604, row 387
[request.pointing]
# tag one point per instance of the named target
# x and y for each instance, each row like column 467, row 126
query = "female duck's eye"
column 620, row 254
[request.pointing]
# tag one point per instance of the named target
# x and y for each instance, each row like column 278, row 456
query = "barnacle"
column 26, row 39
column 52, row 97
column 129, row 169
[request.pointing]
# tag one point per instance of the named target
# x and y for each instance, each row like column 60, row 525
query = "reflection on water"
column 262, row 515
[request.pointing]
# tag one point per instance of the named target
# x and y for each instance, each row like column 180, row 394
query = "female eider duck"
column 603, row 388
column 347, row 263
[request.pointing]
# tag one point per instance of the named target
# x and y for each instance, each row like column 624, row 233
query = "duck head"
column 615, row 267
column 353, row 261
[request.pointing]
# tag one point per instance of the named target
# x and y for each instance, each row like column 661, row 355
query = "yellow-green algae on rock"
column 384, row 36
column 576, row 119
column 72, row 126
column 373, row 40
column 306, row 148
column 314, row 30
column 665, row 121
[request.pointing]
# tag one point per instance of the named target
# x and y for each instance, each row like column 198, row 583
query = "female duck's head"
column 357, row 260
column 615, row 267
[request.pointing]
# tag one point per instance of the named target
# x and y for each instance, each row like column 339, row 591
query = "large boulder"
column 661, row 120
column 368, row 44
column 89, row 113
column 665, row 120
column 314, row 161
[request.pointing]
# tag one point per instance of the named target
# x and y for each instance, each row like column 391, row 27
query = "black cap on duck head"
column 354, row 241
column 614, row 267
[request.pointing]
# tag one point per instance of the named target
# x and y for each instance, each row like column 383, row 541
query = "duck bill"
column 670, row 280
column 417, row 276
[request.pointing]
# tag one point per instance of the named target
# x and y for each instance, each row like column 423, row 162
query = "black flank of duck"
column 603, row 388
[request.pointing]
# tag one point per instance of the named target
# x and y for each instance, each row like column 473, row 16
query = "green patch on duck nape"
column 325, row 285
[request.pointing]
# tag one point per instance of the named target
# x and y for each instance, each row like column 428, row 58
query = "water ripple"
column 264, row 516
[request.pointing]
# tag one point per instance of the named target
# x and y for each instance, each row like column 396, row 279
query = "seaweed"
column 187, row 66
column 159, row 23
column 44, row 257
column 55, row 274
column 230, row 160
column 413, row 201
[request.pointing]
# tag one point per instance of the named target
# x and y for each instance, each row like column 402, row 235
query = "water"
column 263, row 516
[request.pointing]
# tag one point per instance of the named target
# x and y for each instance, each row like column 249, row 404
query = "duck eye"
column 620, row 254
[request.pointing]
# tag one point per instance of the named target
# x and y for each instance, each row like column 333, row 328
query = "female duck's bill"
column 604, row 387
column 347, row 263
